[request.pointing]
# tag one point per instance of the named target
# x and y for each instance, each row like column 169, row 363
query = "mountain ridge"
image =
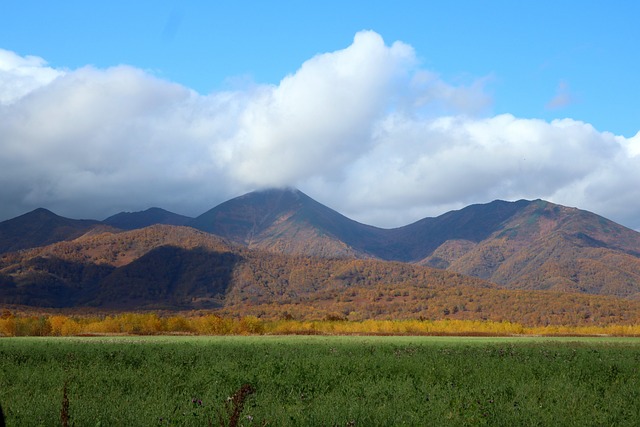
column 166, row 267
column 141, row 219
column 524, row 244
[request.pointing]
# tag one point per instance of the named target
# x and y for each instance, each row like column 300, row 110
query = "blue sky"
column 529, row 51
column 468, row 83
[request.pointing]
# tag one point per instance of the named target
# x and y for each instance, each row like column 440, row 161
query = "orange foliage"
column 211, row 324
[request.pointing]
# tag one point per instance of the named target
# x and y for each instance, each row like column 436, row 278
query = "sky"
column 386, row 111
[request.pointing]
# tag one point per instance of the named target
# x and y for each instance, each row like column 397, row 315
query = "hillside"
column 178, row 268
column 534, row 245
column 550, row 247
column 38, row 228
column 161, row 265
column 518, row 245
column 287, row 221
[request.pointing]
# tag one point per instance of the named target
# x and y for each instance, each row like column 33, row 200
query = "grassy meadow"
column 319, row 381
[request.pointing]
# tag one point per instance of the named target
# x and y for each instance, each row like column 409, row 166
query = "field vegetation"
column 319, row 380
column 22, row 324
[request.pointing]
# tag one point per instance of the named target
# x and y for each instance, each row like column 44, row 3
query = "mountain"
column 416, row 241
column 40, row 227
column 161, row 265
column 550, row 247
column 151, row 216
column 181, row 267
column 177, row 268
column 529, row 245
column 287, row 221
column 518, row 245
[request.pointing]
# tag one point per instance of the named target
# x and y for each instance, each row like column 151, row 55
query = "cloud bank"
column 364, row 130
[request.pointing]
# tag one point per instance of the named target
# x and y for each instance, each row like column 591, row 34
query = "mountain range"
column 156, row 258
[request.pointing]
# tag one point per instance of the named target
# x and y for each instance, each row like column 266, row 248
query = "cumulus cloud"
column 21, row 75
column 364, row 130
column 450, row 162
column 320, row 119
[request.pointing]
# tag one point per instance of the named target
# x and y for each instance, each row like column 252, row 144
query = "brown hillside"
column 551, row 247
column 532, row 245
column 519, row 245
column 177, row 268
column 140, row 268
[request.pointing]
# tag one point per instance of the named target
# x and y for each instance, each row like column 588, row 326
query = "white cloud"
column 449, row 162
column 632, row 145
column 96, row 140
column 21, row 75
column 319, row 119
column 364, row 130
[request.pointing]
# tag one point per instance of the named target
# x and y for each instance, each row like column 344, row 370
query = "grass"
column 320, row 381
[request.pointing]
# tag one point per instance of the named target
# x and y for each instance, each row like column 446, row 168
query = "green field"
column 321, row 381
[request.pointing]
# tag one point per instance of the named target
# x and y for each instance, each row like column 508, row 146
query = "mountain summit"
column 151, row 216
column 40, row 227
column 286, row 221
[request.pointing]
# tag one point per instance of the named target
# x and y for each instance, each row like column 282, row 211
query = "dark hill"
column 290, row 221
column 160, row 266
column 40, row 227
column 151, row 216
column 474, row 223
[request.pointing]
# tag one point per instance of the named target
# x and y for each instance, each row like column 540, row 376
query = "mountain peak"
column 245, row 216
column 38, row 213
column 151, row 216
column 285, row 220
column 40, row 227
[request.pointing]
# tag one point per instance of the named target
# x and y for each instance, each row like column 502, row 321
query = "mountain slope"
column 519, row 245
column 40, row 227
column 151, row 216
column 180, row 267
column 416, row 241
column 547, row 246
column 287, row 221
column 171, row 267
column 158, row 266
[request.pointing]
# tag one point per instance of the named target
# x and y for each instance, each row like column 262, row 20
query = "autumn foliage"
column 210, row 324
